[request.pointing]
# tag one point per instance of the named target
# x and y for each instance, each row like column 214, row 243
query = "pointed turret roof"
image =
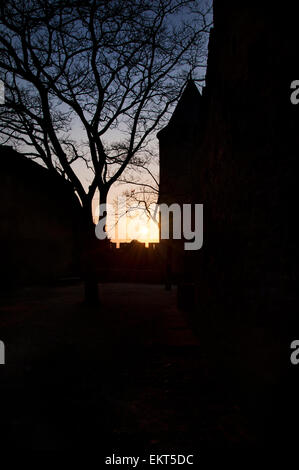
column 186, row 112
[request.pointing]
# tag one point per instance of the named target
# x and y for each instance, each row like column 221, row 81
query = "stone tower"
column 178, row 148
column 177, row 145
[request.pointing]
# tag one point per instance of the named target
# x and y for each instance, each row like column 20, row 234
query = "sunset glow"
column 135, row 228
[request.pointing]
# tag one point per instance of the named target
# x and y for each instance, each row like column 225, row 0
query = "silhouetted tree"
column 89, row 81
column 141, row 183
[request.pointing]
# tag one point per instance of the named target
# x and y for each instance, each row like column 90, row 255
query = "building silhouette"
column 40, row 222
column 234, row 149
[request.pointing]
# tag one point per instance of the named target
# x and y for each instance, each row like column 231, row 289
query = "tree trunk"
column 93, row 253
column 89, row 255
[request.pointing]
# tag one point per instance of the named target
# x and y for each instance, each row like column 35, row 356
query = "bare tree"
column 141, row 183
column 111, row 69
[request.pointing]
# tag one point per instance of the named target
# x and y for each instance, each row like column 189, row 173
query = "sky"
column 144, row 229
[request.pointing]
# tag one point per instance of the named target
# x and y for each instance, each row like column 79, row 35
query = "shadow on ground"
column 130, row 373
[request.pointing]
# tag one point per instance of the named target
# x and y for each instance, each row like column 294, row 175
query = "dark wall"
column 244, row 150
column 246, row 272
column 247, row 156
column 39, row 217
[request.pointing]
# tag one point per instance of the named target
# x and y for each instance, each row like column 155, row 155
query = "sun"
column 143, row 231
column 136, row 228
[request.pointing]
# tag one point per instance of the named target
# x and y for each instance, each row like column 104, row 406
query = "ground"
column 130, row 372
